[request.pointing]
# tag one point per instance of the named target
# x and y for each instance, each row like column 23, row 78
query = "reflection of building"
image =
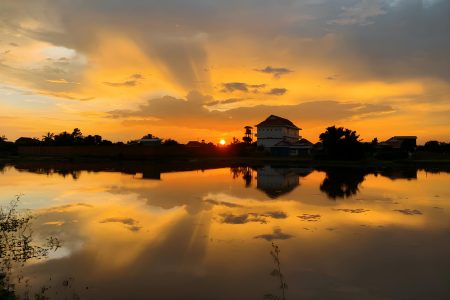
column 279, row 181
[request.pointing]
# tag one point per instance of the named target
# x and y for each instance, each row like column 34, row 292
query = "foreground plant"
column 17, row 246
column 276, row 272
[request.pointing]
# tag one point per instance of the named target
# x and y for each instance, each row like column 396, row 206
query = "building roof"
column 402, row 137
column 275, row 121
column 304, row 141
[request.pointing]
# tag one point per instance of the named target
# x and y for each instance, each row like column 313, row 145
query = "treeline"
column 336, row 143
column 74, row 138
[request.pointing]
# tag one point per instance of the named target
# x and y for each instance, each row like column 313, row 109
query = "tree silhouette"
column 342, row 183
column 49, row 138
column 341, row 143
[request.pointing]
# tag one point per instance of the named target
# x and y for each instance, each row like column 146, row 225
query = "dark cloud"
column 130, row 223
column 133, row 80
column 192, row 112
column 276, row 72
column 14, row 44
column 276, row 235
column 277, row 91
column 241, row 86
column 409, row 212
column 225, row 101
column 129, row 83
column 409, row 40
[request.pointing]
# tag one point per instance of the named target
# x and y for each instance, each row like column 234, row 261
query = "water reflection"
column 196, row 234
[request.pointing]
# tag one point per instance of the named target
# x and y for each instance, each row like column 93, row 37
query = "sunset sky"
column 203, row 69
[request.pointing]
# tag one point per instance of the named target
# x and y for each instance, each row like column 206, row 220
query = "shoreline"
column 227, row 161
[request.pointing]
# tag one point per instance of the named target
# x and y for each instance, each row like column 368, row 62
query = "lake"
column 150, row 233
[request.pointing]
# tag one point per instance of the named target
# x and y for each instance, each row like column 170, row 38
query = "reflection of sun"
column 222, row 142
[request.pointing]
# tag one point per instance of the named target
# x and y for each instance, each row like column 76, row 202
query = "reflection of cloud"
column 276, row 235
column 223, row 203
column 252, row 217
column 276, row 72
column 242, row 219
column 309, row 217
column 275, row 215
column 409, row 212
column 352, row 210
column 129, row 222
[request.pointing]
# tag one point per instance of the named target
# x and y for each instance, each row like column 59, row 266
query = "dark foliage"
column 17, row 247
column 341, row 143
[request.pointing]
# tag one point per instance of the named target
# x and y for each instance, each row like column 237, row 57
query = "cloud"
column 361, row 13
column 242, row 87
column 225, row 101
column 192, row 112
column 14, row 44
column 128, row 83
column 62, row 81
column 130, row 223
column 276, row 235
column 276, row 72
column 133, row 80
column 277, row 91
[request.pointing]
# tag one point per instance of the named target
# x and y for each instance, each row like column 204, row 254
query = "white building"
column 274, row 130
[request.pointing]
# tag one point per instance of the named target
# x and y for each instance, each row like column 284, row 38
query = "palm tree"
column 48, row 138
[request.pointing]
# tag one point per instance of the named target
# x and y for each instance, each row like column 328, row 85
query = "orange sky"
column 194, row 70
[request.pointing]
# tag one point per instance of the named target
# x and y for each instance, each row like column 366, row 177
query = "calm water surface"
column 343, row 234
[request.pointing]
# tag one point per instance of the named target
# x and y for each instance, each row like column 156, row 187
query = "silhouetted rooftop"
column 276, row 121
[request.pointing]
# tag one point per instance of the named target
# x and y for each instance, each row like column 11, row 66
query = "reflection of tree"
column 17, row 246
column 245, row 172
column 342, row 183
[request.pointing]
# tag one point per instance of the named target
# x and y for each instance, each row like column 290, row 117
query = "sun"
column 222, row 142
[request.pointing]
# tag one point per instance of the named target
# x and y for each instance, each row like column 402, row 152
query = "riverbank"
column 168, row 164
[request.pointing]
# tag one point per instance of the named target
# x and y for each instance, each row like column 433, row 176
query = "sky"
column 204, row 69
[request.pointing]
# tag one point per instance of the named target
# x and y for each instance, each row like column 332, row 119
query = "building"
column 274, row 130
column 400, row 142
column 149, row 140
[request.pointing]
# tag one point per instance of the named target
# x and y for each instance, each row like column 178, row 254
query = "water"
column 141, row 234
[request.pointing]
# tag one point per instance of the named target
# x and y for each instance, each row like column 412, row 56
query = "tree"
column 170, row 142
column 49, row 138
column 433, row 146
column 235, row 141
column 77, row 136
column 341, row 143
column 63, row 139
column 3, row 138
